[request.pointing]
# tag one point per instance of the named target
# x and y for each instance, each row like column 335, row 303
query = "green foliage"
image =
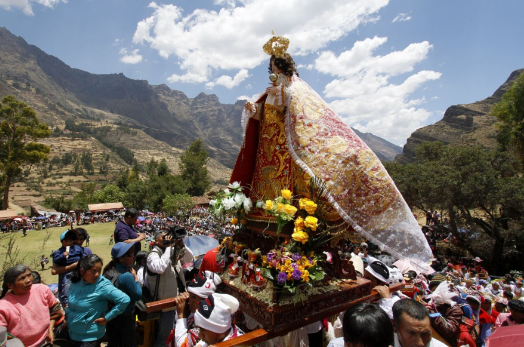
column 109, row 193
column 193, row 167
column 510, row 114
column 19, row 131
column 158, row 187
column 163, row 169
column 481, row 191
column 177, row 203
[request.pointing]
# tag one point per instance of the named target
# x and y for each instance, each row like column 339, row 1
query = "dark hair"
column 36, row 277
column 412, row 274
column 140, row 258
column 131, row 212
column 285, row 64
column 86, row 263
column 81, row 231
column 507, row 295
column 516, row 305
column 11, row 275
column 367, row 325
column 412, row 308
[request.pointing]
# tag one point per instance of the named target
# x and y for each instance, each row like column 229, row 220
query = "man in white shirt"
column 164, row 268
column 412, row 325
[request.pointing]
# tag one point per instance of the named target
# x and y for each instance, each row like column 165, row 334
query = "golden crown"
column 277, row 46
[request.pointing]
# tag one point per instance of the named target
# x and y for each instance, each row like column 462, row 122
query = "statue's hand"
column 251, row 108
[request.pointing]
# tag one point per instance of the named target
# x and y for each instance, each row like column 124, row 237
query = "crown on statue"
column 277, row 46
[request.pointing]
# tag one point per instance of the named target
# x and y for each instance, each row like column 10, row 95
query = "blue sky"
column 386, row 66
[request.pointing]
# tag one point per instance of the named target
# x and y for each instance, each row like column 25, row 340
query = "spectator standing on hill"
column 125, row 231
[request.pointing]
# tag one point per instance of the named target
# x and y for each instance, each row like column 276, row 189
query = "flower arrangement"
column 281, row 208
column 232, row 201
column 288, row 270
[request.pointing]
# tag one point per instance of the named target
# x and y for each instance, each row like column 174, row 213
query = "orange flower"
column 234, row 221
column 243, row 221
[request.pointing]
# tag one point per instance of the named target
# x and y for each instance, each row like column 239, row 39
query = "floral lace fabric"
column 359, row 187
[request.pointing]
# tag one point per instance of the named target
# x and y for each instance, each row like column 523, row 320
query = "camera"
column 176, row 232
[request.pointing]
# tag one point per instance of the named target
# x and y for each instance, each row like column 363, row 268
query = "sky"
column 387, row 67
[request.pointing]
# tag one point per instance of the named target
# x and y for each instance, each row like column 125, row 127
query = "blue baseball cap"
column 120, row 249
column 63, row 235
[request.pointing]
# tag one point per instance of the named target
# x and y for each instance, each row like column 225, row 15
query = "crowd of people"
column 460, row 305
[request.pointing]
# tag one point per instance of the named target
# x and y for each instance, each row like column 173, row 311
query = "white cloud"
column 305, row 66
column 244, row 97
column 366, row 99
column 26, row 5
column 118, row 42
column 402, row 17
column 130, row 57
column 206, row 41
column 229, row 82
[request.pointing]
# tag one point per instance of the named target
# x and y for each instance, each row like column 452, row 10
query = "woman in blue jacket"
column 121, row 330
column 89, row 296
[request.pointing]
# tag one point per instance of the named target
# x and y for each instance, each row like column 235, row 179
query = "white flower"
column 212, row 202
column 239, row 199
column 218, row 210
column 261, row 204
column 226, row 191
column 228, row 203
column 234, row 185
column 247, row 205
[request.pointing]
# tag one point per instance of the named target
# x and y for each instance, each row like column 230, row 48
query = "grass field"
column 30, row 247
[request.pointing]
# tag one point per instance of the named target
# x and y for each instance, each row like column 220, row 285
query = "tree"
column 481, row 191
column 510, row 113
column 178, row 203
column 163, row 169
column 19, row 131
column 193, row 167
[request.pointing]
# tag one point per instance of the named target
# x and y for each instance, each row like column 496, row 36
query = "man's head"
column 213, row 317
column 81, row 235
column 378, row 273
column 201, row 287
column 131, row 216
column 435, row 281
column 367, row 325
column 411, row 323
column 474, row 300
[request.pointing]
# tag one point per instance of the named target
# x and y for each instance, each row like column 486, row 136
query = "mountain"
column 464, row 125
column 59, row 92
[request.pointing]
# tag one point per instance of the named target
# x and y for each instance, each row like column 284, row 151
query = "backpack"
column 112, row 275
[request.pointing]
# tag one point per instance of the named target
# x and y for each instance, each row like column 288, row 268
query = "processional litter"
column 303, row 181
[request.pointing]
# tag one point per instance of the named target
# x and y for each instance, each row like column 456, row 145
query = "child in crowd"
column 68, row 254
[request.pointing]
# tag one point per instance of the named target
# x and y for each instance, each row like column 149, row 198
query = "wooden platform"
column 280, row 318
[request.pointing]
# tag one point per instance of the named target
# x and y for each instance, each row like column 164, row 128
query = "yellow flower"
column 286, row 194
column 305, row 276
column 289, row 276
column 234, row 221
column 299, row 222
column 310, row 207
column 290, row 210
column 288, row 262
column 300, row 236
column 311, row 222
column 264, row 260
column 280, row 207
column 269, row 205
column 302, row 203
